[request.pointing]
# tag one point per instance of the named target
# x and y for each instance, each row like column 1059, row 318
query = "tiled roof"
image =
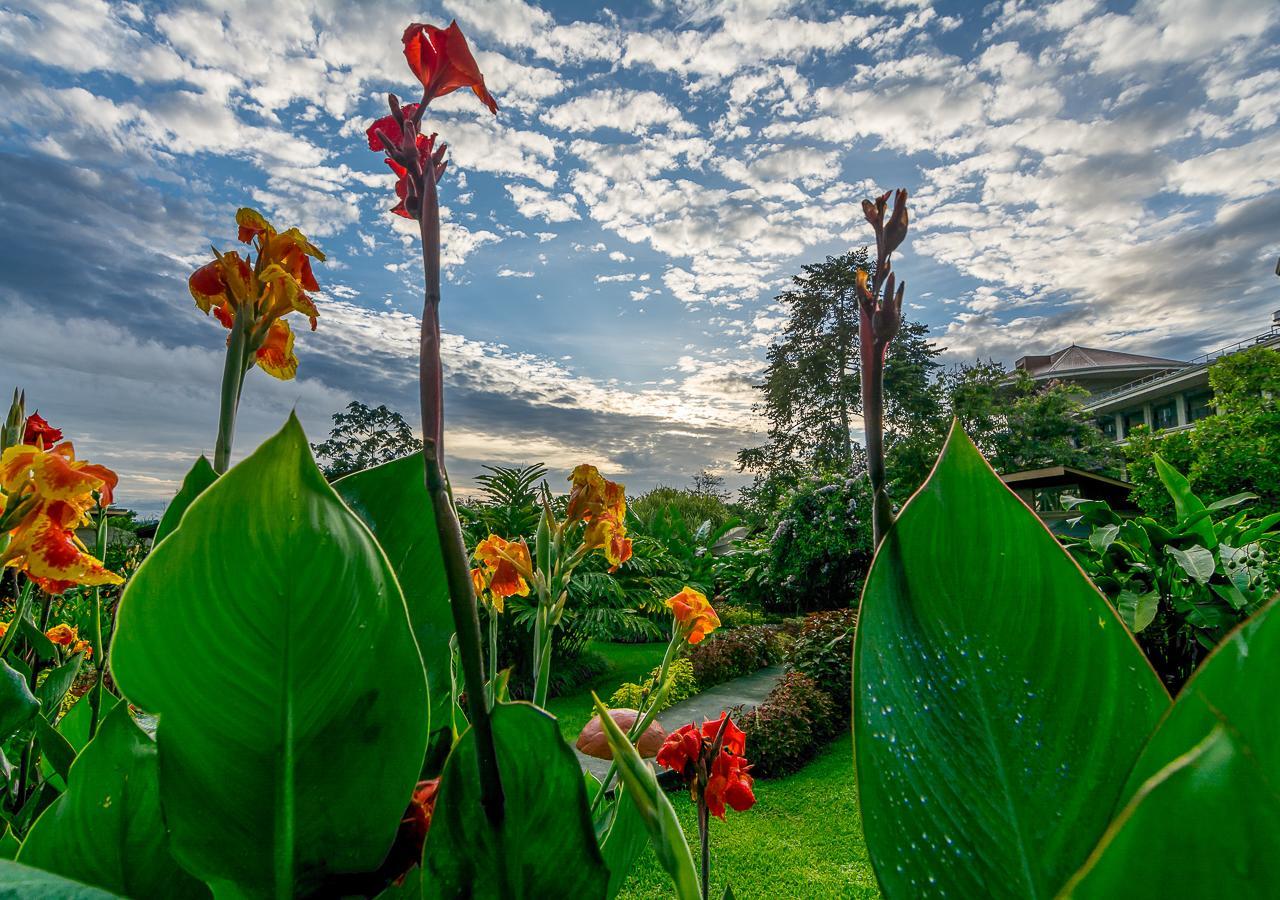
column 1075, row 358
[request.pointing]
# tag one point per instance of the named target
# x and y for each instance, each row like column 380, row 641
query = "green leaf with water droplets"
column 998, row 699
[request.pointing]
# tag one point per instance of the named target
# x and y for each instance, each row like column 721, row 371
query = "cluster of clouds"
column 1080, row 172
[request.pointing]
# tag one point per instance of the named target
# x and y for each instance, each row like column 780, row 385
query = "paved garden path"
column 748, row 691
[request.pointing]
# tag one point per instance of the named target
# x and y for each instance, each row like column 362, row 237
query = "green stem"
column 233, row 371
column 99, row 649
column 704, row 834
column 493, row 657
column 462, row 598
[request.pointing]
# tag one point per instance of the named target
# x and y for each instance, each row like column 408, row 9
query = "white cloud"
column 635, row 112
column 535, row 203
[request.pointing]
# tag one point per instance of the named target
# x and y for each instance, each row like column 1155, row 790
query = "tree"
column 1016, row 423
column 363, row 437
column 812, row 389
column 1234, row 451
column 708, row 484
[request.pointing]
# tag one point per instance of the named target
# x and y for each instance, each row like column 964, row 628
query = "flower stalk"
column 234, row 369
column 881, row 308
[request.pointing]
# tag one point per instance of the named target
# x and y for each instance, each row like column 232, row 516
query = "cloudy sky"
column 1103, row 174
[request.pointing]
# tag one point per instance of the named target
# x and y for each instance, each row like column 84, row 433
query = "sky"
column 1087, row 172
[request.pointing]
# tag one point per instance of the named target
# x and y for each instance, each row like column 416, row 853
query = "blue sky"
column 1103, row 174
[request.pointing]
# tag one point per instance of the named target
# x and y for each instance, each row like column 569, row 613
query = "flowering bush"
column 812, row 553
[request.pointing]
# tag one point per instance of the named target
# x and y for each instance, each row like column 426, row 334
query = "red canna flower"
column 729, row 783
column 443, row 62
column 681, row 748
column 40, row 433
column 735, row 739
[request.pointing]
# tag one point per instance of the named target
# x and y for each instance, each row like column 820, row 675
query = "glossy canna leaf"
column 106, row 830
column 998, row 698
column 269, row 635
column 392, row 500
column 545, row 846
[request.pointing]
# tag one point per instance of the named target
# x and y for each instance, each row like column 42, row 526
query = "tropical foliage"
column 308, row 694
column 1182, row 584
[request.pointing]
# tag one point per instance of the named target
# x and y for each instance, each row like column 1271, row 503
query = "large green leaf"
column 106, row 829
column 1204, row 826
column 640, row 786
column 1235, row 686
column 545, row 846
column 271, row 638
column 17, row 703
column 1185, row 503
column 19, row 882
column 392, row 500
column 992, row 683
column 194, row 484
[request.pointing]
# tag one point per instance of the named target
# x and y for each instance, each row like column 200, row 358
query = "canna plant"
column 1181, row 588
column 1011, row 739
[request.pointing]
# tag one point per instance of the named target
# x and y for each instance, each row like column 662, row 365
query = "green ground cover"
column 803, row 838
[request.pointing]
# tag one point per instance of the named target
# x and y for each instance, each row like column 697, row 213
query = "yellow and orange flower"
column 61, row 489
column 602, row 505
column 480, row 581
column 275, row 285
column 693, row 613
column 505, row 568
column 68, row 636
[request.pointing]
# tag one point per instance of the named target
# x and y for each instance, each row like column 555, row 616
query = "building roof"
column 1076, row 359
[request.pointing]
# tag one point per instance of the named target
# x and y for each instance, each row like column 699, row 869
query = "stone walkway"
column 748, row 691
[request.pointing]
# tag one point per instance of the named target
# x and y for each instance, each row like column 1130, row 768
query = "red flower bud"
column 40, row 433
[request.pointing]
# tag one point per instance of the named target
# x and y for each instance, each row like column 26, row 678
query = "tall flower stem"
column 880, row 306
column 462, row 599
column 704, row 835
column 647, row 713
column 872, row 357
column 233, row 371
column 95, row 700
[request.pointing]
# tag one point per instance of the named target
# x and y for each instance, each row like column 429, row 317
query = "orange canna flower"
column 4, row 628
column 507, row 566
column 442, row 61
column 693, row 613
column 602, row 504
column 63, row 634
column 278, row 283
column 480, row 581
column 60, row 490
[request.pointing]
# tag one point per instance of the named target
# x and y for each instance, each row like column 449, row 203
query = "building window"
column 1132, row 419
column 1165, row 415
column 1107, row 425
column 1199, row 405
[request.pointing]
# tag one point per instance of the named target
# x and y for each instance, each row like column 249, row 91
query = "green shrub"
column 732, row 616
column 824, row 651
column 731, row 653
column 683, row 686
column 790, row 726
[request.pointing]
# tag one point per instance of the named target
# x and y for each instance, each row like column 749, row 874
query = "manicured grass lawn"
column 803, row 838
column 627, row 662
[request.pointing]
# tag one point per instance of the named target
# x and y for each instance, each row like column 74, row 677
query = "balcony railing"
column 1201, row 361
